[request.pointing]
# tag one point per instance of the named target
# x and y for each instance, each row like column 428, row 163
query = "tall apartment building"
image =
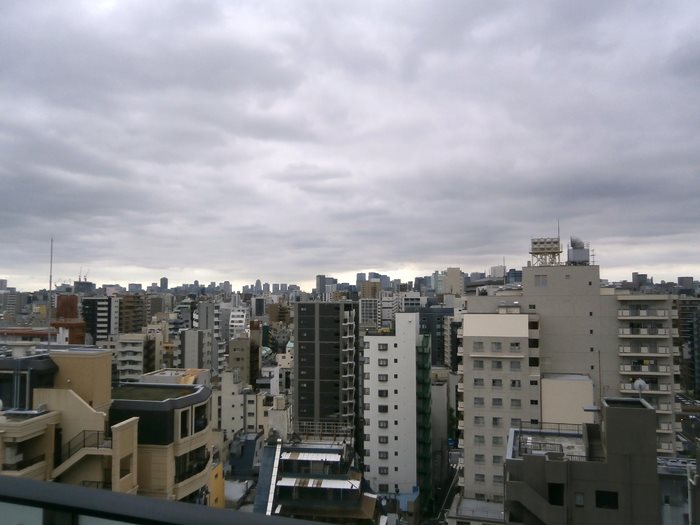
column 101, row 316
column 325, row 365
column 542, row 353
column 197, row 349
column 132, row 313
column 396, row 411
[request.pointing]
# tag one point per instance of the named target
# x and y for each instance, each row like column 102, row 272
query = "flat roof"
column 311, row 456
column 148, row 392
column 527, row 441
column 347, row 484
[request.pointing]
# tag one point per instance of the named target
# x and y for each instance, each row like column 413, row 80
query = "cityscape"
column 455, row 397
column 373, row 263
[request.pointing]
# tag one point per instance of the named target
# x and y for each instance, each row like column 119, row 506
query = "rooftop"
column 147, row 392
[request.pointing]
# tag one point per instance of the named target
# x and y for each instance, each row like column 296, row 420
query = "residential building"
column 397, row 412
column 326, row 365
column 595, row 473
column 101, row 316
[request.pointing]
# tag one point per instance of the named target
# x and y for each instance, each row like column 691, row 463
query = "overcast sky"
column 278, row 140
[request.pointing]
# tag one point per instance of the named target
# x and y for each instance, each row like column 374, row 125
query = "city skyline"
column 218, row 142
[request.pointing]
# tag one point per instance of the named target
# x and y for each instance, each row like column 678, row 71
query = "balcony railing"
column 21, row 465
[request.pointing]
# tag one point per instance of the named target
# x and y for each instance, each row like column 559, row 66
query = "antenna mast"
column 48, row 332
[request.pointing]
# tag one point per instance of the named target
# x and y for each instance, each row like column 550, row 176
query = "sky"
column 279, row 140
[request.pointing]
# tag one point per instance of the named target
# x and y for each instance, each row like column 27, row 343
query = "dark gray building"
column 325, row 365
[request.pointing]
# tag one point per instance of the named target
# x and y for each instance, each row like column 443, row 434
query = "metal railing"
column 85, row 439
column 21, row 465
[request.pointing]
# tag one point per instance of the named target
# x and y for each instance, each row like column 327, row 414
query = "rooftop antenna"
column 48, row 332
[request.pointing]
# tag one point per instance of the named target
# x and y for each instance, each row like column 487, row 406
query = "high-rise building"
column 397, row 423
column 326, row 365
column 101, row 316
column 163, row 284
column 541, row 353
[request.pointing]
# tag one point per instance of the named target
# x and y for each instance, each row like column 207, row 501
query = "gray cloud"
column 217, row 141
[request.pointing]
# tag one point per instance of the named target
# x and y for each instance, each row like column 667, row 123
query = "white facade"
column 390, row 407
column 238, row 322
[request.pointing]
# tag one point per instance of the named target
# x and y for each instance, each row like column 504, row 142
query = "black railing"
column 86, row 438
column 103, row 485
column 21, row 465
column 192, row 469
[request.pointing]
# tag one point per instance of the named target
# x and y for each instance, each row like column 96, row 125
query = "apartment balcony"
column 32, row 468
column 460, row 369
column 460, row 444
column 460, row 424
column 645, row 370
column 664, row 448
column 646, row 332
column 654, row 389
column 460, row 387
column 664, row 408
column 664, row 428
column 650, row 313
column 460, row 351
column 192, row 479
column 460, row 406
column 644, row 351
column 676, row 369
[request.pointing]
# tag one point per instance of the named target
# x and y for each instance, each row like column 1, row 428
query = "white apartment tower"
column 396, row 418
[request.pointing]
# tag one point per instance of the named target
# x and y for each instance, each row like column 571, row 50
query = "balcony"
column 460, row 351
column 651, row 332
column 654, row 389
column 26, row 468
column 651, row 370
column 460, row 387
column 643, row 351
column 633, row 313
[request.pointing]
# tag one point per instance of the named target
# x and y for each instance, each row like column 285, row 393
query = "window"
column 533, row 343
column 540, row 281
column 515, row 422
column 366, row 375
column 555, row 493
column 365, row 391
column 515, row 347
column 479, row 440
column 496, row 346
column 531, row 306
column 497, row 440
column 478, row 458
column 383, row 347
column 478, row 420
column 383, row 362
column 515, row 403
column 578, row 499
column 478, row 401
column 533, row 382
column 367, row 454
column 383, row 440
column 365, row 406
column 478, row 364
column 496, row 365
column 497, row 383
column 497, row 460
column 479, row 496
column 533, row 361
column 383, row 393
column 383, row 424
column 366, row 437
column 605, row 499
column 366, row 345
column 496, row 422
column 383, row 378
column 383, row 487
column 514, row 366
column 533, row 325
column 479, row 478
column 534, row 402
column 515, row 383
column 497, row 402
column 383, row 409
column 251, row 401
column 478, row 346
column 383, row 471
column 478, row 381
column 383, row 454
column 497, row 478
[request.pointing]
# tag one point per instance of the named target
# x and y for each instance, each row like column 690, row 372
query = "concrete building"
column 101, row 316
column 396, row 412
column 453, row 282
column 543, row 352
column 198, row 350
column 326, row 366
column 595, row 473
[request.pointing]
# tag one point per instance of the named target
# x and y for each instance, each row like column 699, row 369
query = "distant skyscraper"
column 163, row 284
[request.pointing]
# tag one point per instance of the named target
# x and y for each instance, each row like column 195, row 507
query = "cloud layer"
column 219, row 141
